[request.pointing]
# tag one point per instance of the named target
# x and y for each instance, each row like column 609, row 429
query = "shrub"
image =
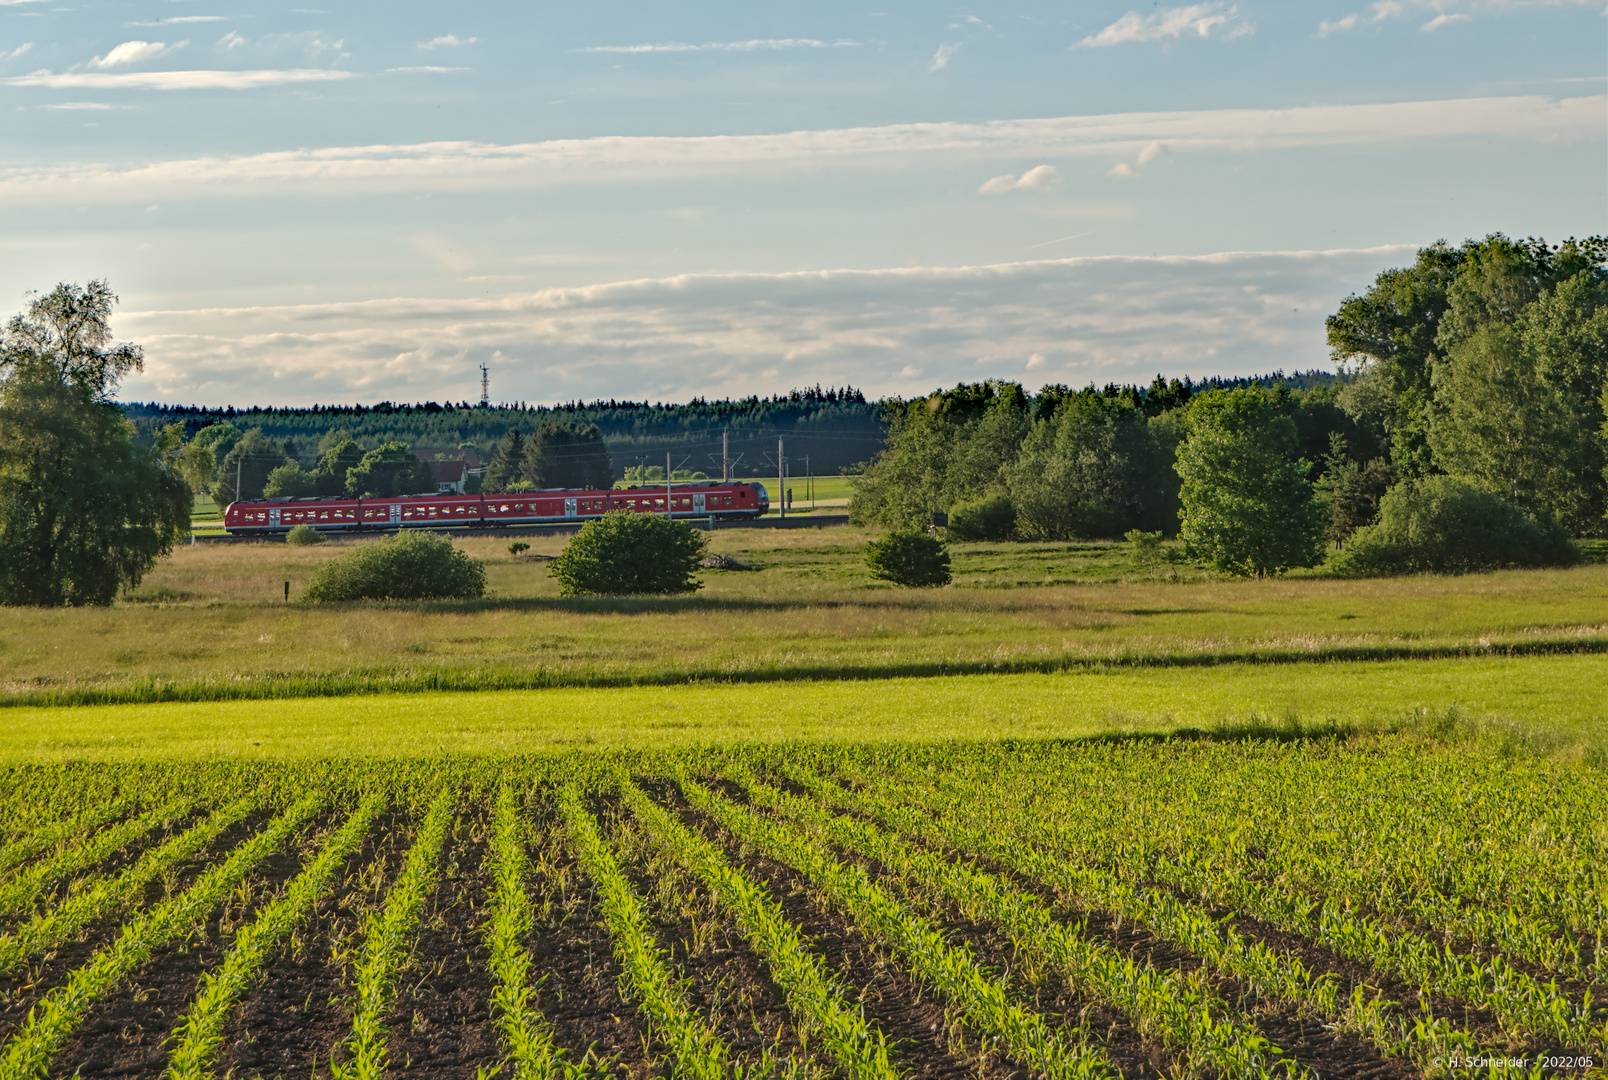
column 518, row 548
column 990, row 518
column 408, row 566
column 626, row 554
column 1441, row 524
column 912, row 559
column 304, row 535
column 1146, row 546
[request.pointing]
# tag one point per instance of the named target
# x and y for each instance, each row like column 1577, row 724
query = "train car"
column 549, row 507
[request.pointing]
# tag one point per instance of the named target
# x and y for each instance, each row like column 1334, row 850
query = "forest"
column 1475, row 374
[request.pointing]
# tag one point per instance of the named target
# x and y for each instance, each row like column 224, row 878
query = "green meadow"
column 211, row 623
column 1551, row 704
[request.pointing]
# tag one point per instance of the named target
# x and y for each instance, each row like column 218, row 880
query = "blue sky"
column 365, row 202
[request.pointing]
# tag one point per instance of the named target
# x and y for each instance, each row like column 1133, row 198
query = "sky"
column 366, row 202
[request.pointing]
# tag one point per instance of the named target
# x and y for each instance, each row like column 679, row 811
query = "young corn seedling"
column 385, row 947
column 695, row 1050
column 200, row 1032
column 57, row 1016
column 813, row 995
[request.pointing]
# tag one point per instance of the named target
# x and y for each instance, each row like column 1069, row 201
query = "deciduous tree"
column 1248, row 508
column 84, row 508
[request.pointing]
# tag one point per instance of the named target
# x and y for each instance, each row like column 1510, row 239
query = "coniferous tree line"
column 836, row 427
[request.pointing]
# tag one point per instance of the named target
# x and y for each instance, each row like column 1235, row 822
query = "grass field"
column 1547, row 705
column 1382, row 907
column 210, row 622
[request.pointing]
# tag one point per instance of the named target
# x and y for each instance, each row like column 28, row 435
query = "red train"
column 550, row 507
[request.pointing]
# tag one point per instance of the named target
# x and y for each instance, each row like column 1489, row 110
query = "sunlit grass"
column 1562, row 695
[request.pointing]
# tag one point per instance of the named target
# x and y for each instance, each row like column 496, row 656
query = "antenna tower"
column 485, row 386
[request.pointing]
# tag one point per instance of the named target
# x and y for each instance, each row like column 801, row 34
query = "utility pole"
column 725, row 456
column 809, row 482
column 239, row 463
column 669, row 500
column 781, row 479
column 485, row 386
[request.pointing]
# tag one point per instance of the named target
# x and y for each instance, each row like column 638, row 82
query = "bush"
column 304, row 535
column 1441, row 524
column 912, row 559
column 1146, row 547
column 990, row 518
column 518, row 548
column 626, row 554
column 408, row 566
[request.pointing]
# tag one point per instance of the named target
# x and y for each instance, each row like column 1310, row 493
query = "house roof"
column 447, row 472
column 466, row 455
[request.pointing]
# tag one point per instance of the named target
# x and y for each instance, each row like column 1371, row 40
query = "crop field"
column 1376, row 906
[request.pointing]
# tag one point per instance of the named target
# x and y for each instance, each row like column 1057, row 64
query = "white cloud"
column 21, row 50
column 466, row 166
column 940, row 59
column 19, row 3
column 1038, row 178
column 429, row 70
column 1442, row 12
column 178, row 19
column 135, row 52
column 890, row 331
column 1129, row 170
column 173, row 80
column 447, row 41
column 757, row 45
column 95, row 106
column 231, row 41
column 1170, row 24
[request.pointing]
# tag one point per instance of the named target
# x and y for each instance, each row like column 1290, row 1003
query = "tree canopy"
column 1248, row 507
column 85, row 508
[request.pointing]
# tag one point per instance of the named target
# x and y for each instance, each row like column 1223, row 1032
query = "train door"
column 569, row 508
column 273, row 517
column 698, row 503
column 396, row 513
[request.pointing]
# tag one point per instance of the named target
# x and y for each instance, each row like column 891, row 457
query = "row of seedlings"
column 1071, row 839
column 986, row 1003
column 1179, row 1011
column 200, row 1031
column 52, row 1022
